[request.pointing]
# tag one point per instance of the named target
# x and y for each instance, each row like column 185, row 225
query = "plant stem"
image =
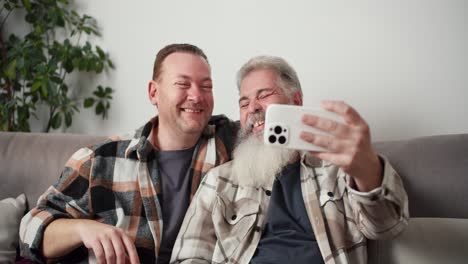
column 51, row 114
column 4, row 20
column 7, row 86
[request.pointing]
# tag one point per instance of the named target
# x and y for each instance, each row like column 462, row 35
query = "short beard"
column 256, row 164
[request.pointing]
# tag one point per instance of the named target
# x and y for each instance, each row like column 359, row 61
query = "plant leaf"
column 36, row 86
column 27, row 4
column 88, row 102
column 99, row 108
column 68, row 119
column 10, row 71
column 56, row 121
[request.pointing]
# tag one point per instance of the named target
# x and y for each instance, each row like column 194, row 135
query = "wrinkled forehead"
column 257, row 80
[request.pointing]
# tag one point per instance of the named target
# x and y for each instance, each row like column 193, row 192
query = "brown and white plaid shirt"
column 224, row 222
column 111, row 183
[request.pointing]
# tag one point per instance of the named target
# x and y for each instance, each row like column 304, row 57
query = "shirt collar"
column 311, row 161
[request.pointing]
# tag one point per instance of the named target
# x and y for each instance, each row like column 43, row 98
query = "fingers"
column 99, row 252
column 119, row 249
column 348, row 113
column 327, row 142
column 326, row 125
column 110, row 244
column 120, row 246
column 131, row 249
column 109, row 251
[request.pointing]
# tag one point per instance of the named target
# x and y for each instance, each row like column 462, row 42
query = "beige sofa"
column 434, row 169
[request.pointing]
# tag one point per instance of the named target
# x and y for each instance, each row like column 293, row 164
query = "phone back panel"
column 283, row 125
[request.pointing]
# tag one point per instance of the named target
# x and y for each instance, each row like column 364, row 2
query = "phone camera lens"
column 278, row 129
column 272, row 139
column 282, row 140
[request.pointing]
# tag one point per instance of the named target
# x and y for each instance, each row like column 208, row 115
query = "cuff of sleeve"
column 380, row 193
column 32, row 233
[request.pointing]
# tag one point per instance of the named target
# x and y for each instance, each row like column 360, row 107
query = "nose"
column 254, row 106
column 194, row 93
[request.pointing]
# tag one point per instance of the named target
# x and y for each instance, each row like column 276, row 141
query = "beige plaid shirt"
column 224, row 222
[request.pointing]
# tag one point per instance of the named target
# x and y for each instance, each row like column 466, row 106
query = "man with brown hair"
column 124, row 200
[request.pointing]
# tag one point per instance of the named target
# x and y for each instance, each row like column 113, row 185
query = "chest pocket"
column 343, row 230
column 331, row 192
column 232, row 222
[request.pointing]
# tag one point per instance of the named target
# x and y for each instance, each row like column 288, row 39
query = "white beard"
column 256, row 164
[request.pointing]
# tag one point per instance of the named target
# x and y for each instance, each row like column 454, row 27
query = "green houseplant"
column 35, row 67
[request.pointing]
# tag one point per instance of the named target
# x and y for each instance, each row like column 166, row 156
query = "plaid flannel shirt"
column 224, row 221
column 111, row 183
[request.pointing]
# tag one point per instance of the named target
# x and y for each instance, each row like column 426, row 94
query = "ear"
column 297, row 98
column 153, row 92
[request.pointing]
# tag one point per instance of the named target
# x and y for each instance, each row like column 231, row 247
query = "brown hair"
column 169, row 49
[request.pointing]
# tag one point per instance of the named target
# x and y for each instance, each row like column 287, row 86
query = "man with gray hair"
column 274, row 205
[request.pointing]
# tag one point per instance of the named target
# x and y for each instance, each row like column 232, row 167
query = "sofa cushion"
column 11, row 212
column 424, row 241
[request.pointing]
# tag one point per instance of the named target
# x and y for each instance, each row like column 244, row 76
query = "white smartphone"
column 283, row 124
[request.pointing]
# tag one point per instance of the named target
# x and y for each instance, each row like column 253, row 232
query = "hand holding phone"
column 283, row 125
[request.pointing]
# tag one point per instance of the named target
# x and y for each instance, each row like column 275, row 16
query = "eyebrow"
column 256, row 94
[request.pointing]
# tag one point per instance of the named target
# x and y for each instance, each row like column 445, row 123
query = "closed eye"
column 265, row 94
column 243, row 104
column 207, row 87
column 183, row 84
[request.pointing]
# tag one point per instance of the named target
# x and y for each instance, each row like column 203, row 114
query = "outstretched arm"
column 376, row 192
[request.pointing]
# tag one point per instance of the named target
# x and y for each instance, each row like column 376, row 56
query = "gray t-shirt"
column 174, row 172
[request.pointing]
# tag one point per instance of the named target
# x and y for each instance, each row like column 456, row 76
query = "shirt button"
column 268, row 192
column 234, row 217
column 257, row 229
column 330, row 194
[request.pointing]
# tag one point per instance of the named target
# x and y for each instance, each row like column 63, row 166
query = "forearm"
column 61, row 237
column 373, row 176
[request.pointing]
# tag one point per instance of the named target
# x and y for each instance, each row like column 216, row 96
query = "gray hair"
column 287, row 76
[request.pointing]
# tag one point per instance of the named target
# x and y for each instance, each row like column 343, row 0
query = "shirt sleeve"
column 383, row 212
column 196, row 240
column 68, row 198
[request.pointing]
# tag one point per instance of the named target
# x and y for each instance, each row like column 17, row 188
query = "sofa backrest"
column 31, row 162
column 434, row 169
column 435, row 173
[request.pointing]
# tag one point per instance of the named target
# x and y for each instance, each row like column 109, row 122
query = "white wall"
column 402, row 64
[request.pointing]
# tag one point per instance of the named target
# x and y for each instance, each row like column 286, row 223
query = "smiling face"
column 259, row 89
column 183, row 94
